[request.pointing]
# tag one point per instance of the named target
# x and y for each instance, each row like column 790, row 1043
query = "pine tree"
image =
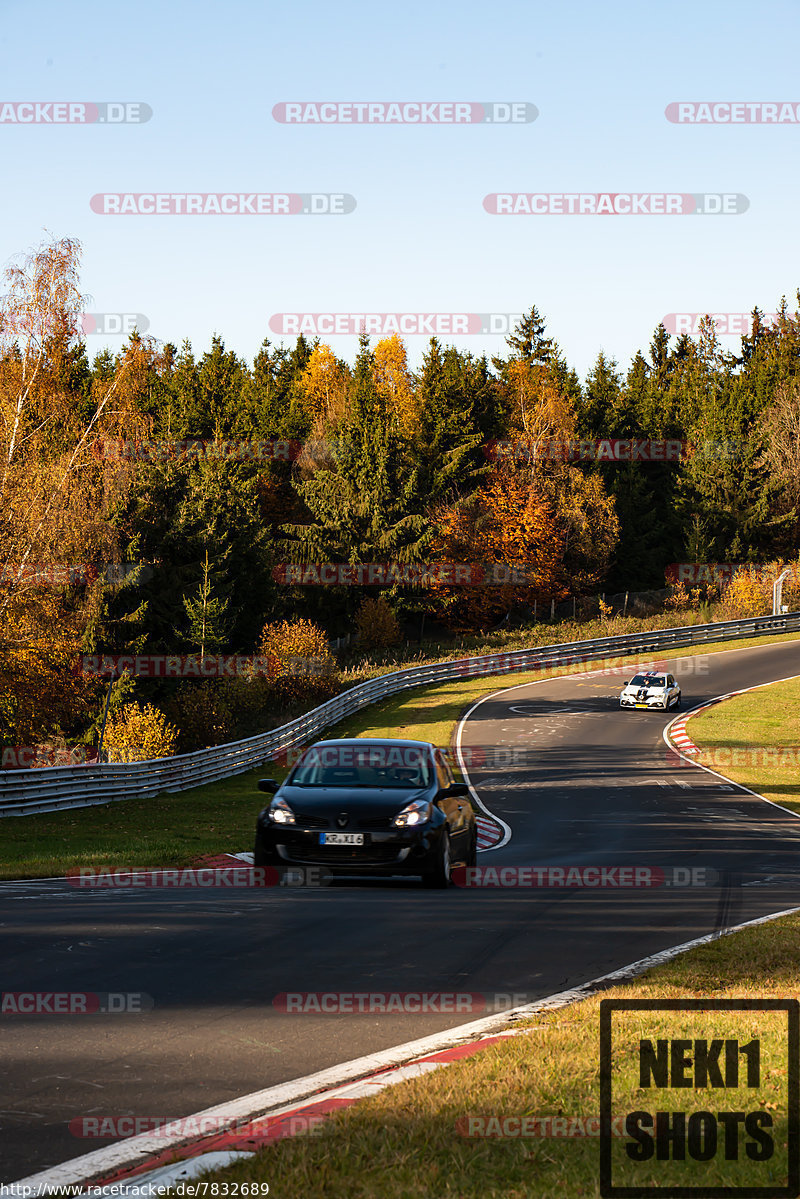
column 207, row 613
column 220, row 377
column 642, row 551
column 362, row 509
column 446, row 441
column 599, row 407
column 186, row 390
column 528, row 341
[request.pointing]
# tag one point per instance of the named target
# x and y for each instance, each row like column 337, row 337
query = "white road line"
column 699, row 765
column 134, row 1151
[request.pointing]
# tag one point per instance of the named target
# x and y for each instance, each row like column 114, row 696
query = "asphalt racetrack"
column 587, row 785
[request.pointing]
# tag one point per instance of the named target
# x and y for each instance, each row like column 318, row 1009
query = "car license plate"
column 341, row 838
column 641, row 705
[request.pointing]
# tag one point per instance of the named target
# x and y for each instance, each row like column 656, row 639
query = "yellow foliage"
column 376, row 623
column 324, row 384
column 138, row 734
column 297, row 647
column 749, row 592
column 589, row 524
column 509, row 529
column 539, row 412
column 41, row 689
column 606, row 611
column 393, row 382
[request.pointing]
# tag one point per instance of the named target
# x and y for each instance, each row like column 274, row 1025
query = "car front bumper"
column 397, row 851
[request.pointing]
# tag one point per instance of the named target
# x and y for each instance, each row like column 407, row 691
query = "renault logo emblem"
column 342, row 819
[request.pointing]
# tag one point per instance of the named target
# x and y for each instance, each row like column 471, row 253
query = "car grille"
column 376, row 823
column 308, row 821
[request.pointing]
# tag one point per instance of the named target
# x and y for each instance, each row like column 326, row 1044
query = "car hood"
column 360, row 801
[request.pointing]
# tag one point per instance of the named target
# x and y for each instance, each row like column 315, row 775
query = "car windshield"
column 647, row 680
column 401, row 766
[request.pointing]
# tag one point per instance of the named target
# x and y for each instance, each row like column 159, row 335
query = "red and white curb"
column 670, row 741
column 676, row 731
column 489, row 833
column 292, row 1108
column 680, row 738
column 224, row 861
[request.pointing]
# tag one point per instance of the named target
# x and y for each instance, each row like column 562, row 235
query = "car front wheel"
column 438, row 875
column 260, row 855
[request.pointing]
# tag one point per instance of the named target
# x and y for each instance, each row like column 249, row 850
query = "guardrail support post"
column 777, row 591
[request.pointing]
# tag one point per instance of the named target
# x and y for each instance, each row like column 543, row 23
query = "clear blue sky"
column 419, row 239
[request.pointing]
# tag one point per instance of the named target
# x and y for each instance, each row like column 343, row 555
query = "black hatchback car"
column 364, row 806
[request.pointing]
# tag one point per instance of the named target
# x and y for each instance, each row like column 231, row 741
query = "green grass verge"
column 408, row 1140
column 754, row 739
column 372, row 662
column 174, row 830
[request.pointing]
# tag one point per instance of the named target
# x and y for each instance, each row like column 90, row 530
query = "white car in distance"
column 651, row 691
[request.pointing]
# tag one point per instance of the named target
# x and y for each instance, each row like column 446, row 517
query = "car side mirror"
column 455, row 790
column 268, row 785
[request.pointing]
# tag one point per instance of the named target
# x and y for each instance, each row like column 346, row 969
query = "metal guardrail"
column 51, row 788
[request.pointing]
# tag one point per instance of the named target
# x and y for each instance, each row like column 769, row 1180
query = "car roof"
column 365, row 741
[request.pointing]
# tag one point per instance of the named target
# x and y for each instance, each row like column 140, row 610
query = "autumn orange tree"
column 376, row 623
column 542, row 419
column 749, row 593
column 301, row 664
column 393, row 382
column 57, row 492
column 542, row 425
column 139, row 733
column 509, row 531
column 42, row 690
column 53, row 482
column 324, row 383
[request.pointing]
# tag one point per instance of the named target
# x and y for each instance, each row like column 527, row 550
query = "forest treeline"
column 178, row 551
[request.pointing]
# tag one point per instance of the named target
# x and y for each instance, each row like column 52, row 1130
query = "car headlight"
column 279, row 812
column 414, row 813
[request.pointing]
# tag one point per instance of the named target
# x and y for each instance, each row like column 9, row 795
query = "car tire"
column 438, row 876
column 260, row 855
column 677, row 703
column 472, row 856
